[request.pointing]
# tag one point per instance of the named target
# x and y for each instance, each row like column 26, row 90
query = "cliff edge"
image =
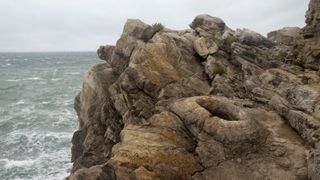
column 203, row 103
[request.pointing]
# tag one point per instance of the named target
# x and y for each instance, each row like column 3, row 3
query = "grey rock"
column 309, row 47
column 314, row 163
column 306, row 125
column 209, row 23
column 249, row 37
column 205, row 47
column 287, row 35
column 138, row 29
column 105, row 52
column 213, row 67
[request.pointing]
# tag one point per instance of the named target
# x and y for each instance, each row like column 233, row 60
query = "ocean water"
column 37, row 119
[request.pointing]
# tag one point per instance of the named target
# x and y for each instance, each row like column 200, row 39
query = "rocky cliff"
column 204, row 103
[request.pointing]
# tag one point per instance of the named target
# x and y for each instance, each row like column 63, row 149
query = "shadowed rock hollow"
column 204, row 103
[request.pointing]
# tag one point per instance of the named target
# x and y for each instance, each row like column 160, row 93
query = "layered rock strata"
column 204, row 103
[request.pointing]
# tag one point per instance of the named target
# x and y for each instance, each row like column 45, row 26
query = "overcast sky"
column 82, row 25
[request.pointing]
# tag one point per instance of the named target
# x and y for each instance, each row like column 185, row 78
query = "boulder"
column 314, row 162
column 205, row 47
column 209, row 23
column 312, row 29
column 309, row 51
column 96, row 118
column 165, row 153
column 93, row 173
column 214, row 67
column 306, row 125
column 287, row 35
column 138, row 29
column 105, row 52
column 251, row 38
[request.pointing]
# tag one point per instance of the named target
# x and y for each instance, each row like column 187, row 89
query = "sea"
column 37, row 118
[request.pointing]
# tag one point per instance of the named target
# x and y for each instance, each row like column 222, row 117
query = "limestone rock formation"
column 203, row 103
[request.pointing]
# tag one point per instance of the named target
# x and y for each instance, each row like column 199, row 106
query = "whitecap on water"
column 9, row 163
column 56, row 79
column 37, row 119
column 31, row 78
column 51, row 165
column 46, row 102
column 13, row 80
column 20, row 102
column 73, row 73
column 24, row 79
column 55, row 72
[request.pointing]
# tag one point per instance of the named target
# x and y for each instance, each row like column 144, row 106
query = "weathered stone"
column 249, row 37
column 205, row 47
column 305, row 98
column 138, row 29
column 312, row 19
column 88, row 143
column 306, row 125
column 164, row 142
column 93, row 173
column 204, row 103
column 105, row 52
column 314, row 162
column 209, row 23
column 214, row 67
column 287, row 35
column 309, row 50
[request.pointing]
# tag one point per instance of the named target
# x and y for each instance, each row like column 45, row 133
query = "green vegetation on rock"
column 158, row 27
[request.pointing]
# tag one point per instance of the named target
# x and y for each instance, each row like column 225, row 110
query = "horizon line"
column 45, row 51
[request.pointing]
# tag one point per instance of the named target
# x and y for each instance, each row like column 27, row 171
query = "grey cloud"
column 78, row 25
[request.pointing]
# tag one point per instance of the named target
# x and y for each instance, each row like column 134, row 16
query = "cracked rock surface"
column 203, row 103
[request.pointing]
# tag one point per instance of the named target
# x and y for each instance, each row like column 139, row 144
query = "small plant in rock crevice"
column 298, row 62
column 282, row 56
column 196, row 23
column 219, row 69
column 158, row 27
column 229, row 40
column 251, row 55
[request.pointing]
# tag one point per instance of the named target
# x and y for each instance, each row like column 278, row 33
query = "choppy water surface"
column 36, row 112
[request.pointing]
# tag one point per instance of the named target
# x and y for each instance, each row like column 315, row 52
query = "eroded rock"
column 310, row 50
column 251, row 38
column 105, row 52
column 205, row 47
column 286, row 35
column 204, row 103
